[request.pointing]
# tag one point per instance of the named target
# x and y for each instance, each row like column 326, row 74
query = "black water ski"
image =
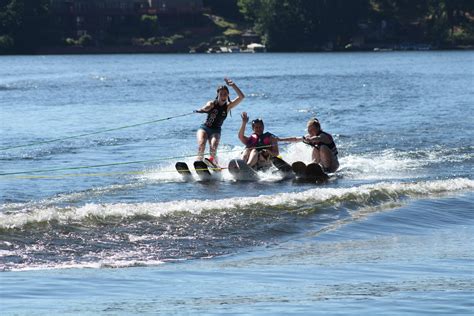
column 299, row 168
column 241, row 171
column 202, row 171
column 183, row 170
column 314, row 171
column 283, row 167
column 309, row 173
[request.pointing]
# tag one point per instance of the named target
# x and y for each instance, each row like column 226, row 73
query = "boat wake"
column 307, row 201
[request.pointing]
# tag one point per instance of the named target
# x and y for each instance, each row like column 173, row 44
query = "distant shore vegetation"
column 55, row 26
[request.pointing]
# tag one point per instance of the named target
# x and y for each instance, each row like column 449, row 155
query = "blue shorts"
column 210, row 131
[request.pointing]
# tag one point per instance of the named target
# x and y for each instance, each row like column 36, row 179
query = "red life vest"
column 260, row 142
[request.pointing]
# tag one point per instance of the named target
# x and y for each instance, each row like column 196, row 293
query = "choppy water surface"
column 106, row 216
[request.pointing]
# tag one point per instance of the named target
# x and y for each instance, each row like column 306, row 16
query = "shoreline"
column 165, row 50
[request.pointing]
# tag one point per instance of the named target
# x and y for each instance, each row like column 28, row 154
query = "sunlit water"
column 392, row 232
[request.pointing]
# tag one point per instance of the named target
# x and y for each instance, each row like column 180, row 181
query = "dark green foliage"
column 6, row 44
column 86, row 40
column 26, row 22
column 304, row 24
column 446, row 16
column 288, row 25
column 225, row 8
column 284, row 25
column 148, row 26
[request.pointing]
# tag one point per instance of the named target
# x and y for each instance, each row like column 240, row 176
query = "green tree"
column 148, row 25
column 6, row 44
column 225, row 8
column 86, row 40
column 304, row 24
column 459, row 13
column 444, row 16
column 436, row 19
column 25, row 21
column 402, row 11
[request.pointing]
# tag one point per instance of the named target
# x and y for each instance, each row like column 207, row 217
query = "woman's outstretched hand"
column 245, row 117
column 229, row 82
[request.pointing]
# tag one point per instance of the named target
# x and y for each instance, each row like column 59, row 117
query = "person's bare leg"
column 201, row 136
column 315, row 155
column 253, row 158
column 214, row 143
column 327, row 159
column 246, row 154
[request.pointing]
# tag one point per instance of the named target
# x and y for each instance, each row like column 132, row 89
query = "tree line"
column 24, row 24
column 310, row 24
column 284, row 25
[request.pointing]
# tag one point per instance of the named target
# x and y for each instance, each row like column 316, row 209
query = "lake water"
column 95, row 220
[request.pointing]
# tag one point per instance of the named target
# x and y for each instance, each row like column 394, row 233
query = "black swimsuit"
column 216, row 116
column 331, row 145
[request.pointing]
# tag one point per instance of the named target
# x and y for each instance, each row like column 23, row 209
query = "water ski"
column 283, row 167
column 309, row 173
column 202, row 170
column 183, row 170
column 299, row 168
column 241, row 171
column 314, row 170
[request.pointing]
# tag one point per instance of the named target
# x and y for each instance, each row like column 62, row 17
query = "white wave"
column 109, row 263
column 68, row 197
column 167, row 172
column 120, row 259
column 292, row 152
column 360, row 194
column 384, row 165
column 393, row 164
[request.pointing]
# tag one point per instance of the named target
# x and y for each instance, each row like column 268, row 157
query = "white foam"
column 382, row 165
column 109, row 263
column 387, row 164
column 292, row 152
column 167, row 171
column 360, row 194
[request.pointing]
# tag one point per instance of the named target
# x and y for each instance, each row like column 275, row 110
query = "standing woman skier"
column 216, row 110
